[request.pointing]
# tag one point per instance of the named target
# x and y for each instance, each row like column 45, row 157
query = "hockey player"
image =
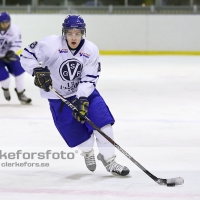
column 72, row 66
column 10, row 43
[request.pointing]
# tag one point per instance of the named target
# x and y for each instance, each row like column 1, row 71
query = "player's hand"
column 42, row 78
column 10, row 56
column 82, row 105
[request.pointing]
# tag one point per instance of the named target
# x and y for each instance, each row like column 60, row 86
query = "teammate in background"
column 10, row 43
column 71, row 64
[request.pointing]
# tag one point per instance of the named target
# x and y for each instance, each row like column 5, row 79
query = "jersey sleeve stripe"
column 15, row 46
column 31, row 53
column 88, row 82
column 92, row 76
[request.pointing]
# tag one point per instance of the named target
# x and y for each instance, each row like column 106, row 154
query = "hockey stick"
column 168, row 182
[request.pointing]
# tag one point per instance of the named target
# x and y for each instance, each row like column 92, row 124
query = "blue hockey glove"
column 82, row 105
column 42, row 78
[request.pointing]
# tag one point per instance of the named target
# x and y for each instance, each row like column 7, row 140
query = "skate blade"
column 25, row 103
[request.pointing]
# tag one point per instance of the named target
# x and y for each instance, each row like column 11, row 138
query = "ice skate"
column 89, row 160
column 113, row 167
column 6, row 93
column 22, row 97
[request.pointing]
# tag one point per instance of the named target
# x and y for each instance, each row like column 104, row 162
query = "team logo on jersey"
column 70, row 69
column 3, row 44
column 63, row 50
column 84, row 54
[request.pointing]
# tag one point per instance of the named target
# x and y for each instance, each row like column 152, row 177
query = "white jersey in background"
column 72, row 73
column 10, row 40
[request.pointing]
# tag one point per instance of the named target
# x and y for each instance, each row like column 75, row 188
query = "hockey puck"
column 170, row 184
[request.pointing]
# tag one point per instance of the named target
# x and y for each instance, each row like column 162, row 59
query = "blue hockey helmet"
column 4, row 17
column 74, row 22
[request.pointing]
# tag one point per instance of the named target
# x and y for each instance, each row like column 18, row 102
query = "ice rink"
column 156, row 103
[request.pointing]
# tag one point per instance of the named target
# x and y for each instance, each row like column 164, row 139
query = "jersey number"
column 32, row 45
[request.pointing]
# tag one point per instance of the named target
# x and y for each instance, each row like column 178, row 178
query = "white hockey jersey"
column 10, row 40
column 72, row 74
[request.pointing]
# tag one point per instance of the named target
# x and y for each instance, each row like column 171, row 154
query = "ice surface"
column 156, row 103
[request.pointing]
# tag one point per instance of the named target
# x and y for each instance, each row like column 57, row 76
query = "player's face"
column 73, row 37
column 4, row 25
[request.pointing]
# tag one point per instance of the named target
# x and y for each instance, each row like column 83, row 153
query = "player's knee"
column 108, row 131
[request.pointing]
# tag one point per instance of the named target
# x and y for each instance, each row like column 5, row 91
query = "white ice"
column 156, row 103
